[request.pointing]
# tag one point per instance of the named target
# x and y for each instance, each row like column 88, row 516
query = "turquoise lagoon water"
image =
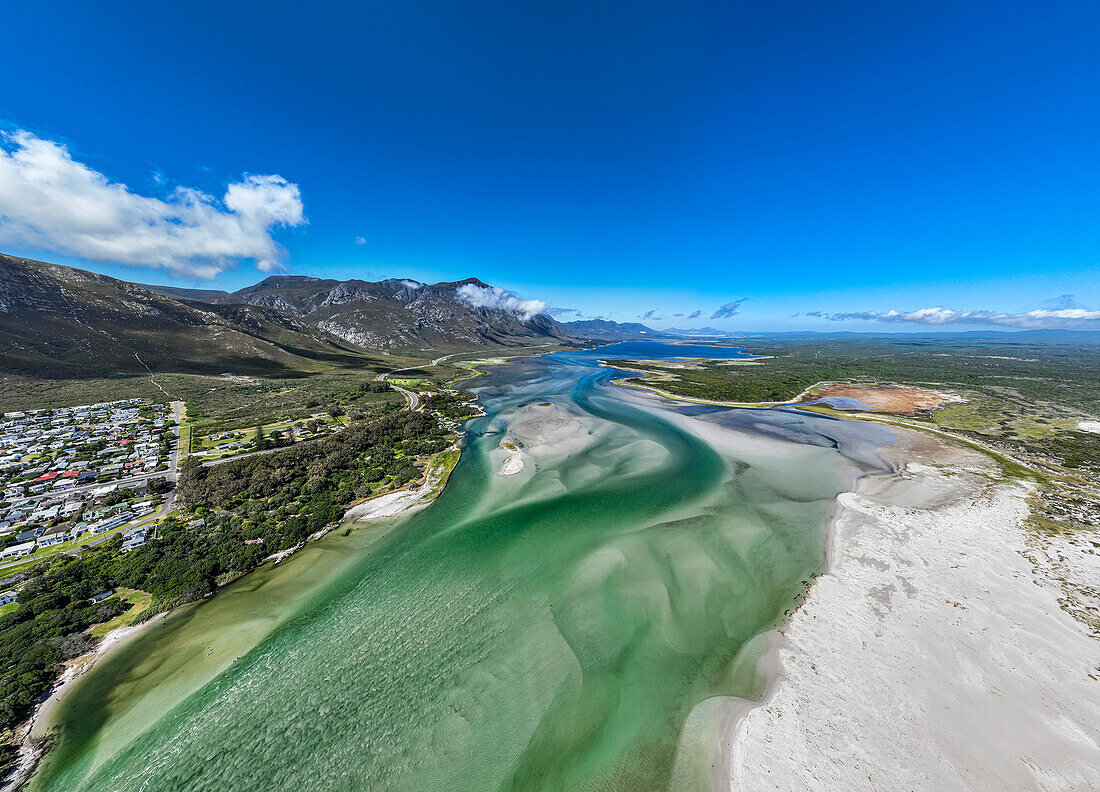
column 578, row 626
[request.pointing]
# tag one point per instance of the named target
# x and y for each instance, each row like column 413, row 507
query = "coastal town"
column 83, row 486
column 75, row 476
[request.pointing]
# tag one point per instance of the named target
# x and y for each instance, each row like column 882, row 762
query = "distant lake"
column 654, row 350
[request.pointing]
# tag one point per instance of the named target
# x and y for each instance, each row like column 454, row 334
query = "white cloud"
column 360, row 240
column 498, row 299
column 411, row 284
column 1043, row 318
column 50, row 201
column 728, row 310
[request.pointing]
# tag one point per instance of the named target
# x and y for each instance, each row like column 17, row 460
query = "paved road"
column 414, row 399
column 213, row 462
column 89, row 487
column 174, row 458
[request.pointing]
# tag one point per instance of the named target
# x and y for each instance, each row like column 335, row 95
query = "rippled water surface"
column 577, row 626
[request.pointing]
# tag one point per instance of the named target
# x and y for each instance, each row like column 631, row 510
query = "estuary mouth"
column 561, row 627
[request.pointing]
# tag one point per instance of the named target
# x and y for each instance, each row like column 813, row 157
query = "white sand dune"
column 933, row 655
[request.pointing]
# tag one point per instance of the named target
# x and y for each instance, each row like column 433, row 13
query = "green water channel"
column 579, row 626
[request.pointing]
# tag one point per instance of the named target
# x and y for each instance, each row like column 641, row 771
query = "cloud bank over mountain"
column 50, row 201
column 498, row 299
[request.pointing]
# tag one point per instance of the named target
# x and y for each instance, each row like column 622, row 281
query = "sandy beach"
column 937, row 651
column 31, row 734
column 933, row 654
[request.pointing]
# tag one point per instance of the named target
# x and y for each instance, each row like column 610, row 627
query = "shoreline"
column 791, row 740
column 887, row 419
column 939, row 619
column 692, row 400
column 895, row 659
column 34, row 733
column 770, row 662
column 770, row 643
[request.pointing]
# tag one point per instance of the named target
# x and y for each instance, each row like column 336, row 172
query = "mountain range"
column 392, row 316
column 708, row 332
column 57, row 320
column 606, row 330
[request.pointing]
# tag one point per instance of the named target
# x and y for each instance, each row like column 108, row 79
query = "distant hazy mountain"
column 703, row 331
column 177, row 293
column 606, row 330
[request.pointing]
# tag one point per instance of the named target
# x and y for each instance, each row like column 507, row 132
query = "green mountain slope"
column 60, row 322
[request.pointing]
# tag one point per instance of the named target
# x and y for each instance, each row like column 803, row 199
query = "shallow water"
column 577, row 626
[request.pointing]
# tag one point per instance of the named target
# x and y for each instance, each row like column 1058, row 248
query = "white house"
column 18, row 550
column 135, row 541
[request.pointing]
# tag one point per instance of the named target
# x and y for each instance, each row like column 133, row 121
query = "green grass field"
column 139, row 603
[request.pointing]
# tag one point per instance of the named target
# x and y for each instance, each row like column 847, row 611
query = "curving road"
column 414, row 399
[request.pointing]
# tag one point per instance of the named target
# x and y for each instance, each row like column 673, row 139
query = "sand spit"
column 514, row 463
column 403, row 502
column 932, row 654
column 394, row 504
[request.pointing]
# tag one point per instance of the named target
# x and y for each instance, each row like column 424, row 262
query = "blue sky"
column 616, row 158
